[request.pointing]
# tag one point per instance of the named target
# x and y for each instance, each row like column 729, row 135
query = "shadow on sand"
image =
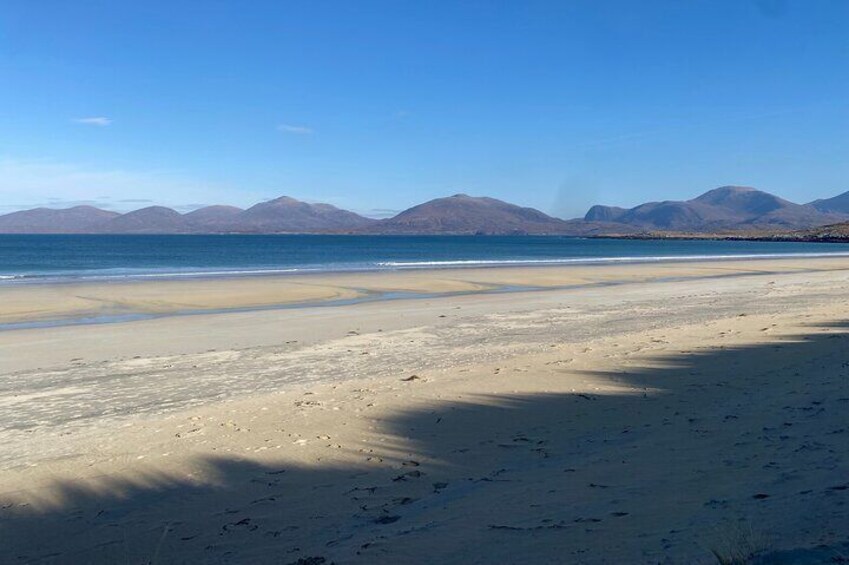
column 733, row 447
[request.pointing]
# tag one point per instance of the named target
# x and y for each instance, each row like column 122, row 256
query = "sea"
column 32, row 259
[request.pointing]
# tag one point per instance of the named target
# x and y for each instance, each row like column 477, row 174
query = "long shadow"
column 716, row 449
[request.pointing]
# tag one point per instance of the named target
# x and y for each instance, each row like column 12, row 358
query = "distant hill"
column 837, row 205
column 78, row 219
column 211, row 216
column 153, row 219
column 287, row 215
column 737, row 210
column 463, row 214
column 281, row 215
column 724, row 208
column 599, row 213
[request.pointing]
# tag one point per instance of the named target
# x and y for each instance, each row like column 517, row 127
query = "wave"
column 585, row 260
column 107, row 275
column 139, row 274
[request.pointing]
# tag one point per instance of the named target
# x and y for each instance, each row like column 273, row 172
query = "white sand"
column 638, row 423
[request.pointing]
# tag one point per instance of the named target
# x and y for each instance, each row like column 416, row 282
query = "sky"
column 376, row 106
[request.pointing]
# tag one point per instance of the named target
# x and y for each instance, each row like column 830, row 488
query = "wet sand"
column 67, row 302
column 635, row 413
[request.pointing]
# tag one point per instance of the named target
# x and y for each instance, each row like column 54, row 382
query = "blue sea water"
column 47, row 258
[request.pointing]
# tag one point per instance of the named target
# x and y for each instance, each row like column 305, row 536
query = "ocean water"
column 47, row 258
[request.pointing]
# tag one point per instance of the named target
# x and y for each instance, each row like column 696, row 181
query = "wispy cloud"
column 99, row 121
column 290, row 128
column 380, row 212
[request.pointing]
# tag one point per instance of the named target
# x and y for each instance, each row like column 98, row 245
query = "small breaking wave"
column 592, row 260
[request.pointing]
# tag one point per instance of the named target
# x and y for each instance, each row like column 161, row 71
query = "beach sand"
column 615, row 414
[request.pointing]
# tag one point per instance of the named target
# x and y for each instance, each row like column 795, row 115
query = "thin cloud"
column 99, row 121
column 55, row 203
column 289, row 128
column 381, row 213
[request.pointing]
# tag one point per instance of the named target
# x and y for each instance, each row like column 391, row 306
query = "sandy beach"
column 659, row 413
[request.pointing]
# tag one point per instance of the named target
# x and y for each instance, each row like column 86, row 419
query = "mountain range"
column 727, row 208
column 724, row 209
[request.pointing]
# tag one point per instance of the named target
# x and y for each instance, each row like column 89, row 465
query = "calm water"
column 33, row 258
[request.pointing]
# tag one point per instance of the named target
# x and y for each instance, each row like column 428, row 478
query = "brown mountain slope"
column 724, row 208
column 463, row 214
column 78, row 219
column 150, row 220
column 836, row 205
column 287, row 215
column 211, row 217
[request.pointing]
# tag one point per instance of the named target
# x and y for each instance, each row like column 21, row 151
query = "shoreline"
column 52, row 305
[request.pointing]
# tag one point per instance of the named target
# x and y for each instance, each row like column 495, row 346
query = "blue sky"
column 375, row 106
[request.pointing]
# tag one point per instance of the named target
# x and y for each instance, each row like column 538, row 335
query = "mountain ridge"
column 462, row 214
column 725, row 209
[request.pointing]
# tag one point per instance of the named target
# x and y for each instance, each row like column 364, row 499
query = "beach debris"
column 307, row 403
column 412, row 378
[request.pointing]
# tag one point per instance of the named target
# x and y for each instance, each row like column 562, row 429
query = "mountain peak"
column 743, row 200
column 836, row 205
column 288, row 215
column 464, row 214
column 283, row 200
column 727, row 191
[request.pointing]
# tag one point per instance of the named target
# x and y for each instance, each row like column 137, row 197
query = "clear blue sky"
column 380, row 105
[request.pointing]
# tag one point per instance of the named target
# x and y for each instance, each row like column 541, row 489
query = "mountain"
column 150, row 220
column 78, row 219
column 463, row 214
column 281, row 215
column 837, row 205
column 600, row 213
column 287, row 215
column 724, row 208
column 212, row 216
